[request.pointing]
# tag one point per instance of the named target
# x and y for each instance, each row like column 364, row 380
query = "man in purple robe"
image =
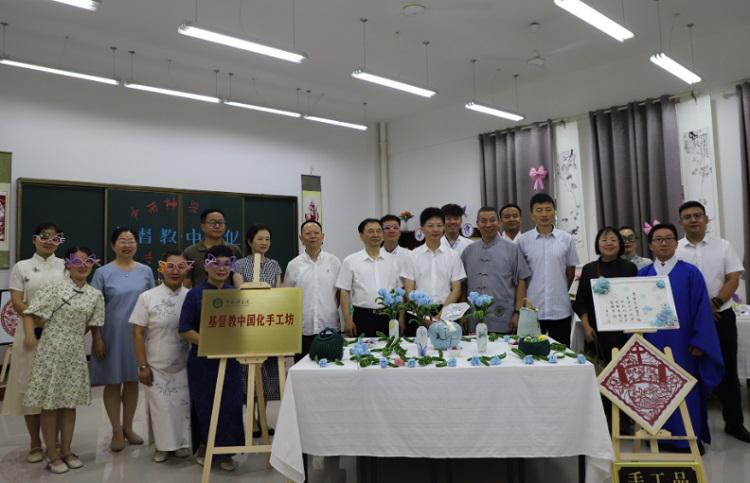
column 695, row 344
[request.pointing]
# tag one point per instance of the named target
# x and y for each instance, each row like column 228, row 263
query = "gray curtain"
column 636, row 164
column 743, row 93
column 507, row 157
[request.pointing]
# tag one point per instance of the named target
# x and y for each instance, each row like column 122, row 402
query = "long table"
column 513, row 410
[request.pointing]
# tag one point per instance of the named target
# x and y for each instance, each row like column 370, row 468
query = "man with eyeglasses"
column 695, row 344
column 213, row 227
column 630, row 242
column 720, row 265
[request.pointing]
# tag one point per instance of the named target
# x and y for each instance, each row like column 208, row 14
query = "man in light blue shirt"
column 551, row 255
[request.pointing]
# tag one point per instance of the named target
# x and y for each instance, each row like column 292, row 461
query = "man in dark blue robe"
column 695, row 344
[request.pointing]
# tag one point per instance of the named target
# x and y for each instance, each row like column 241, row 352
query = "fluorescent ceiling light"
column 263, row 109
column 91, row 5
column 393, row 84
column 170, row 92
column 493, row 111
column 51, row 70
column 211, row 35
column 675, row 68
column 595, row 18
column 350, row 125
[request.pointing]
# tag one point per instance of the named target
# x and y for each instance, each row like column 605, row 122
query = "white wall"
column 66, row 129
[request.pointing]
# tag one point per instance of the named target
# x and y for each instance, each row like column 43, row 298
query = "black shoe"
column 739, row 432
column 258, row 433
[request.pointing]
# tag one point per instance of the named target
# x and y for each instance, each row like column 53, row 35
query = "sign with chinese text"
column 656, row 473
column 644, row 384
column 634, row 303
column 245, row 323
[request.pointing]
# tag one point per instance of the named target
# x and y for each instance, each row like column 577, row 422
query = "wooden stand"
column 653, row 455
column 6, row 363
column 254, row 392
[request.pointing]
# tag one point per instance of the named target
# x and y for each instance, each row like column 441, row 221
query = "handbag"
column 328, row 344
column 528, row 320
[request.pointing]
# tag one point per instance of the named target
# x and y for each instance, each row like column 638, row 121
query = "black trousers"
column 306, row 342
column 729, row 388
column 557, row 329
column 369, row 322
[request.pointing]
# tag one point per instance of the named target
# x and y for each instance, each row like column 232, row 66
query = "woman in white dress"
column 161, row 355
column 26, row 278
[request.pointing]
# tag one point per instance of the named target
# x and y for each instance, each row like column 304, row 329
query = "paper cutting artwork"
column 644, row 384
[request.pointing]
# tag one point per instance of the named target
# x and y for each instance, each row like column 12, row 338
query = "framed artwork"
column 5, row 208
column 9, row 319
column 644, row 384
column 634, row 303
column 312, row 200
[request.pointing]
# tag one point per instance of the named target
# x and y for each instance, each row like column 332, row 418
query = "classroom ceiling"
column 497, row 33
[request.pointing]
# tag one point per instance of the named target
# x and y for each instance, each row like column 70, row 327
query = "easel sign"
column 249, row 323
column 634, row 304
column 653, row 472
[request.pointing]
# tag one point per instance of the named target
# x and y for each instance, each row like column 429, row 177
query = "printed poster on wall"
column 312, row 202
column 9, row 319
column 568, row 186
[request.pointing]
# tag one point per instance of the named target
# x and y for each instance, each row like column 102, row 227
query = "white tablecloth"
column 511, row 410
column 743, row 346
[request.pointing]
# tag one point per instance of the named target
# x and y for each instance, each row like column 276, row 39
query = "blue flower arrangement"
column 665, row 317
column 392, row 302
column 601, row 286
column 479, row 304
column 360, row 349
column 422, row 305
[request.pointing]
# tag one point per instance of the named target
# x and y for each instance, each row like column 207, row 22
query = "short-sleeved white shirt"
column 317, row 279
column 715, row 258
column 433, row 272
column 31, row 274
column 403, row 255
column 158, row 309
column 459, row 245
column 363, row 276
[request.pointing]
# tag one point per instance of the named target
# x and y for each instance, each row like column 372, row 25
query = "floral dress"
column 60, row 376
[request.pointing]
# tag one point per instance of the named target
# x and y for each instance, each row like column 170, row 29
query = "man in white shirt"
column 454, row 215
column 434, row 268
column 362, row 274
column 721, row 268
column 510, row 219
column 391, row 234
column 315, row 272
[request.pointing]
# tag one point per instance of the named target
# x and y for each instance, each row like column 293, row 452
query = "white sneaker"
column 160, row 456
column 182, row 452
column 228, row 464
column 200, row 455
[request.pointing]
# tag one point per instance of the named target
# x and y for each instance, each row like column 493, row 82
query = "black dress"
column 584, row 303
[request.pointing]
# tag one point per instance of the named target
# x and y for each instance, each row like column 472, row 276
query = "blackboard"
column 78, row 210
column 161, row 217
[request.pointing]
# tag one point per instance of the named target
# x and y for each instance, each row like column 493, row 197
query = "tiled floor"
column 727, row 460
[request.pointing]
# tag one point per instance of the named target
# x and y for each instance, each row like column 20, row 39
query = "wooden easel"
column 6, row 363
column 641, row 435
column 254, row 389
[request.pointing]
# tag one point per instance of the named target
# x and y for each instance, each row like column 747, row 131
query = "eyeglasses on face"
column 692, row 216
column 179, row 267
column 215, row 223
column 630, row 238
column 662, row 241
column 57, row 239
column 90, row 261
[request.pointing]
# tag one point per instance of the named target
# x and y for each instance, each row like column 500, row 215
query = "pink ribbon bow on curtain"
column 647, row 228
column 537, row 175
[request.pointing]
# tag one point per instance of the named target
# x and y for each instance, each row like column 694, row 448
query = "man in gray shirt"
column 494, row 266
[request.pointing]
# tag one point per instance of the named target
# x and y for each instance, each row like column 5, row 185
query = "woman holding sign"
column 161, row 355
column 202, row 372
column 610, row 247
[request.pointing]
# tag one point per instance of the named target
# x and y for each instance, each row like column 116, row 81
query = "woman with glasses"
column 202, row 372
column 59, row 377
column 630, row 238
column 114, row 364
column 26, row 278
column 161, row 355
column 610, row 264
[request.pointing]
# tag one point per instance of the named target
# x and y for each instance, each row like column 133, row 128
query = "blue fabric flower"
column 528, row 359
column 323, row 362
column 383, row 362
column 664, row 317
column 472, row 297
column 581, row 359
column 400, row 292
column 495, row 361
column 382, row 292
column 360, row 349
column 475, row 361
column 601, row 286
column 552, row 359
column 506, row 339
column 660, row 284
column 452, row 362
column 411, row 363
column 399, row 299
